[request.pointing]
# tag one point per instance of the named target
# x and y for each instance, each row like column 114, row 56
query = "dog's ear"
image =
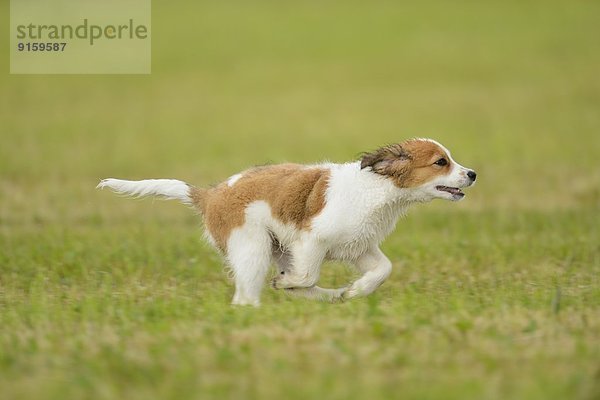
column 385, row 159
column 392, row 161
column 371, row 159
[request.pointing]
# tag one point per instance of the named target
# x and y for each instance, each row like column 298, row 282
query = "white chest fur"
column 361, row 210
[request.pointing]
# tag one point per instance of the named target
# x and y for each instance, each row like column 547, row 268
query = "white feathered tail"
column 169, row 189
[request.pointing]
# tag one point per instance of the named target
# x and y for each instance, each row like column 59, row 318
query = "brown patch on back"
column 198, row 196
column 294, row 192
column 408, row 164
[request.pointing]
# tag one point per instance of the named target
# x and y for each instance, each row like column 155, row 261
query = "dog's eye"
column 441, row 162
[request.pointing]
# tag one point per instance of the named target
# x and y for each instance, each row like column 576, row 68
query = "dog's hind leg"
column 249, row 255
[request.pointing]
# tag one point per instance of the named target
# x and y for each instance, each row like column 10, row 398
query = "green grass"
column 496, row 297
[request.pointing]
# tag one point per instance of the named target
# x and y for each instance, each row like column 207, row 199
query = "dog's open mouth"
column 452, row 190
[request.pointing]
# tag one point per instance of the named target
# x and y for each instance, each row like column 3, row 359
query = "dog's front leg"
column 376, row 268
column 306, row 259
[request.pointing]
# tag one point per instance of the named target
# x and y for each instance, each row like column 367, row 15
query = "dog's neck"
column 385, row 192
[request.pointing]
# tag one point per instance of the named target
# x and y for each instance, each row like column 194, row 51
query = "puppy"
column 298, row 216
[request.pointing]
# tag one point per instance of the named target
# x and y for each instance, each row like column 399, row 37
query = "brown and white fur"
column 298, row 216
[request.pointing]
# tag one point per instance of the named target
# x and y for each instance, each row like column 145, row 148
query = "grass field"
column 496, row 297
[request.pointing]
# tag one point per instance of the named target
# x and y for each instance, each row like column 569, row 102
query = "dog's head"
column 422, row 165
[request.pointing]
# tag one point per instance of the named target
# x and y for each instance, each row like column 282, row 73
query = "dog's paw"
column 335, row 299
column 287, row 281
column 349, row 293
column 340, row 297
column 274, row 283
column 278, row 282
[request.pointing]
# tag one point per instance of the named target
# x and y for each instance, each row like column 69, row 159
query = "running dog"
column 298, row 216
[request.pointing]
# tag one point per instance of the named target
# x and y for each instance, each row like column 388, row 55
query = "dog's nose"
column 472, row 175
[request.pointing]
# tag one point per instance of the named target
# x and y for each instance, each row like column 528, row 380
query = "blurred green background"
column 498, row 296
